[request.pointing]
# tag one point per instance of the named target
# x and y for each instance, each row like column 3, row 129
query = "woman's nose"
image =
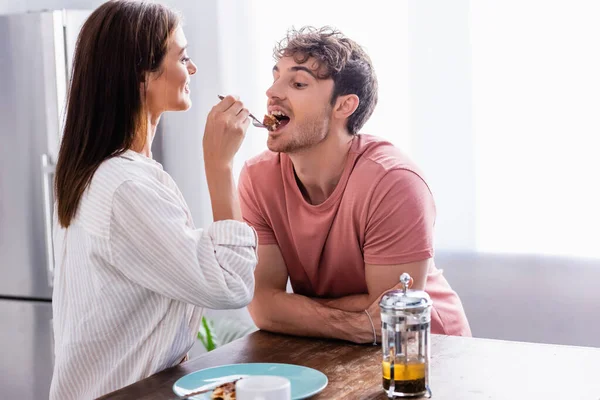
column 192, row 68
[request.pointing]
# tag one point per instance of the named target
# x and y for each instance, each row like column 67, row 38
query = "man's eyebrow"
column 298, row 68
column 302, row 68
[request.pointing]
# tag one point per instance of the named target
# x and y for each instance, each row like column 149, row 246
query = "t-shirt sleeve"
column 400, row 220
column 251, row 211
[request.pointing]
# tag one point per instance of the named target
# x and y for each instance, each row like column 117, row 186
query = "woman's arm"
column 226, row 126
column 153, row 245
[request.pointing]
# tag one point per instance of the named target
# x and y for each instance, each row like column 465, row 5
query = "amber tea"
column 408, row 378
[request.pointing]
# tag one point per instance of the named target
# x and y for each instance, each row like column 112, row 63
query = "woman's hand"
column 226, row 126
column 225, row 129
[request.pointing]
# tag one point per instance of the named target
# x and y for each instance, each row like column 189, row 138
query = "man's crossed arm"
column 275, row 310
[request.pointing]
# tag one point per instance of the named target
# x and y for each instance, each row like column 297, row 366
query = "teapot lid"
column 405, row 298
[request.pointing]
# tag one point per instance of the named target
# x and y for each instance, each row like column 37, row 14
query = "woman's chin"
column 184, row 105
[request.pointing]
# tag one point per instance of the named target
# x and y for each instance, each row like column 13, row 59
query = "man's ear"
column 346, row 105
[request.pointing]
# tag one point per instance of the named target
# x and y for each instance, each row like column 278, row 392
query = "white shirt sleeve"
column 153, row 245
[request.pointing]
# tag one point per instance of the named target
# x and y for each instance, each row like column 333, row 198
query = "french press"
column 405, row 341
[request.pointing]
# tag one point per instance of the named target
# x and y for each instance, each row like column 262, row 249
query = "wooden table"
column 461, row 368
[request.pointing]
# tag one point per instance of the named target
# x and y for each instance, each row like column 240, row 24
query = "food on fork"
column 224, row 392
column 270, row 122
column 274, row 120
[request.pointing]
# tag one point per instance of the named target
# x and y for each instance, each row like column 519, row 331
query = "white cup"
column 263, row 388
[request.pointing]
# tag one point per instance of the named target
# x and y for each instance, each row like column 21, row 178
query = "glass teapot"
column 405, row 341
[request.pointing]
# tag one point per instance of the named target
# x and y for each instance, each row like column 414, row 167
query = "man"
column 341, row 214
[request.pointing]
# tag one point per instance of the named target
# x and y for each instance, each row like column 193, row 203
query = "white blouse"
column 133, row 275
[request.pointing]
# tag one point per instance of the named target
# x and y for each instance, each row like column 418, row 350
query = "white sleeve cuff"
column 232, row 233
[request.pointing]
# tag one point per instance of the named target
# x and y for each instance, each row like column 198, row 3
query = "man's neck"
column 319, row 168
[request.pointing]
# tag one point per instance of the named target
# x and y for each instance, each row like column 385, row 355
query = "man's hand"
column 274, row 310
column 375, row 312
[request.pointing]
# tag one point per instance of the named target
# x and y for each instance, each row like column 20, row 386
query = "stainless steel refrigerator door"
column 65, row 27
column 24, row 133
column 36, row 49
column 26, row 346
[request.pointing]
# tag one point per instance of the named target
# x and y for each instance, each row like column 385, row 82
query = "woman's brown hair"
column 121, row 41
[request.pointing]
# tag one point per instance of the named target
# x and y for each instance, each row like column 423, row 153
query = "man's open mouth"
column 276, row 120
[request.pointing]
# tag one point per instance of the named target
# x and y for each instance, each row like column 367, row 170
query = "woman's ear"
column 346, row 105
column 144, row 79
column 144, row 83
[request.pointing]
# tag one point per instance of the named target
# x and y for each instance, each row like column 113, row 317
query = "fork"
column 255, row 121
column 204, row 390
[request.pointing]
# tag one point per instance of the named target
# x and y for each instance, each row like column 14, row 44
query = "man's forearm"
column 293, row 314
column 356, row 302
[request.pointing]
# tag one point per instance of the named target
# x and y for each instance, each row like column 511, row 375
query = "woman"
column 132, row 271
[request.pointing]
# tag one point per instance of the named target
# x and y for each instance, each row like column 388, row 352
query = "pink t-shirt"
column 381, row 212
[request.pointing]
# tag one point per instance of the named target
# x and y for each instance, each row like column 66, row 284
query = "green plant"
column 219, row 332
column 206, row 335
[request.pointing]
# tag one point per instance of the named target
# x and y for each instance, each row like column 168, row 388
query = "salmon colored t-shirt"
column 381, row 212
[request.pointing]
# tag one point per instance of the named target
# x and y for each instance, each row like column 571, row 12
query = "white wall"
column 536, row 96
column 442, row 133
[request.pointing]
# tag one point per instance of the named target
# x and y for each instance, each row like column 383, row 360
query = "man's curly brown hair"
column 339, row 58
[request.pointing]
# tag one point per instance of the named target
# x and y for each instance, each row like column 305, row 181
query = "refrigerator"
column 36, row 51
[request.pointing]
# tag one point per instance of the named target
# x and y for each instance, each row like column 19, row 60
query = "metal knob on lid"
column 405, row 298
column 405, row 280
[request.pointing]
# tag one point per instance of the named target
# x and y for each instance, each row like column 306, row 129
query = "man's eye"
column 300, row 85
